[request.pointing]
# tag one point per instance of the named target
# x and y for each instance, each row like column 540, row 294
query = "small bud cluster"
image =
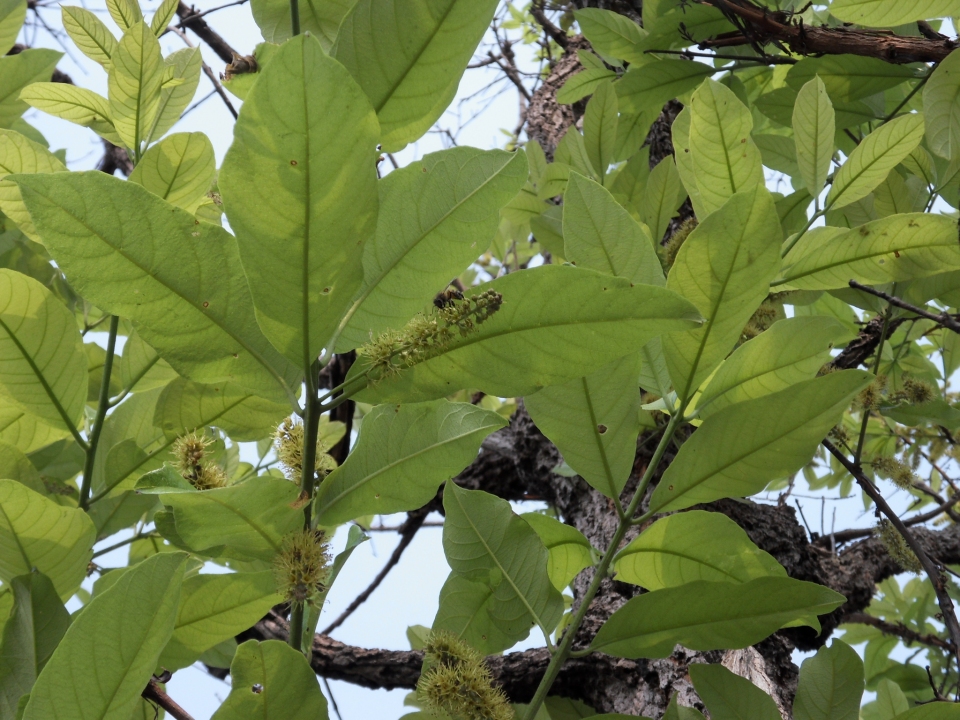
column 457, row 683
column 302, row 566
column 426, row 336
column 897, row 547
column 902, row 476
column 675, row 242
column 765, row 316
column 871, row 397
column 914, row 392
column 189, row 453
column 288, row 441
column 839, row 434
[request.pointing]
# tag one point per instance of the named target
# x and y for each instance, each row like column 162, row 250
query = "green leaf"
column 174, row 99
column 599, row 234
column 180, row 169
column 243, row 522
column 831, row 685
column 16, row 73
column 134, row 444
column 484, row 540
column 185, row 406
column 163, row 16
column 594, row 422
column 612, row 34
column 651, row 85
column 214, row 608
column 112, row 647
column 695, row 545
column 140, row 367
column 321, row 19
column 555, row 322
column 890, row 13
column 471, row 611
column 741, row 448
column 30, row 636
column 22, row 430
column 12, row 15
column 679, row 712
column 570, row 552
column 724, row 268
column 899, row 247
column 725, row 158
column 931, row 711
column 600, row 127
column 849, row 77
column 43, row 367
column 940, row 98
column 663, row 195
column 437, row 215
column 272, row 681
column 404, row 453
column 583, row 83
column 194, row 308
column 89, row 34
column 308, row 134
column 78, row 105
column 135, row 76
column 814, row 128
column 19, row 154
column 871, row 161
column 409, row 56
column 680, row 135
column 125, row 13
column 14, row 465
column 705, row 615
column 791, row 351
column 731, row 697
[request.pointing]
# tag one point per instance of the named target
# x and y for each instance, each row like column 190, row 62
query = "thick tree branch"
column 945, row 319
column 902, row 631
column 155, row 694
column 861, row 347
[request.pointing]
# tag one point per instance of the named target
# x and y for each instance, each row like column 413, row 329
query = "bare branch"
column 902, row 631
column 190, row 18
column 155, row 694
column 945, row 319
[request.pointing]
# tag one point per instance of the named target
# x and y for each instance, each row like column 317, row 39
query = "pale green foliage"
column 731, row 697
column 570, row 552
column 831, row 685
column 813, row 129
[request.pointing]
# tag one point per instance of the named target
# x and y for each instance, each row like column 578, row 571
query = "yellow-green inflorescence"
column 901, row 474
column 897, row 547
column 302, row 566
column 456, row 682
column 288, row 441
column 189, row 452
column 428, row 335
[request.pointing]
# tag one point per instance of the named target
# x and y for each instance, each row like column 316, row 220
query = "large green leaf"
column 890, row 13
column 556, row 322
column 676, row 711
column 594, row 422
column 651, row 85
column 322, row 19
column 183, row 65
column 661, row 198
column 244, row 522
column 18, row 71
column 180, row 169
column 89, row 33
column 184, row 406
column 940, row 105
column 437, row 216
column 849, row 77
column 43, row 367
column 484, row 540
column 135, row 77
column 136, row 256
column 814, row 127
column 790, row 351
column 12, row 15
column 471, row 611
column 726, row 160
column 111, row 649
column 612, row 34
column 402, row 456
column 601, row 235
column 214, row 608
column 600, row 128
column 24, row 431
column 409, row 56
column 731, row 697
column 738, row 450
column 705, row 615
column 570, row 552
column 831, row 685
column 140, row 367
column 931, row 711
column 309, row 135
column 19, row 154
column 272, row 681
column 680, row 135
column 133, row 443
column 78, row 105
column 899, row 247
column 30, row 636
column 37, row 533
column 874, row 158
column 724, row 268
column 695, row 545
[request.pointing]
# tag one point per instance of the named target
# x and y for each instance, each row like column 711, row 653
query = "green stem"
column 564, row 649
column 128, row 541
column 296, row 626
column 103, row 404
column 876, row 368
column 295, row 17
column 803, row 232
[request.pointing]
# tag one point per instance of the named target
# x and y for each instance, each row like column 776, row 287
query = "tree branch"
column 945, row 319
column 862, row 346
column 155, row 694
column 902, row 631
column 190, row 18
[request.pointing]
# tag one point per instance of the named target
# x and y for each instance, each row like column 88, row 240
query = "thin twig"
column 210, row 74
column 410, row 527
column 333, row 700
column 155, row 694
column 944, row 318
column 899, row 630
column 555, row 33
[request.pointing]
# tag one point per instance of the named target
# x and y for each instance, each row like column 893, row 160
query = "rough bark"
column 548, row 120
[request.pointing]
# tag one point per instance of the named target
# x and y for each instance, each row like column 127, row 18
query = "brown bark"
column 202, row 30
column 548, row 120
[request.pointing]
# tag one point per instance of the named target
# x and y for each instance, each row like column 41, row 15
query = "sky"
column 410, row 592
